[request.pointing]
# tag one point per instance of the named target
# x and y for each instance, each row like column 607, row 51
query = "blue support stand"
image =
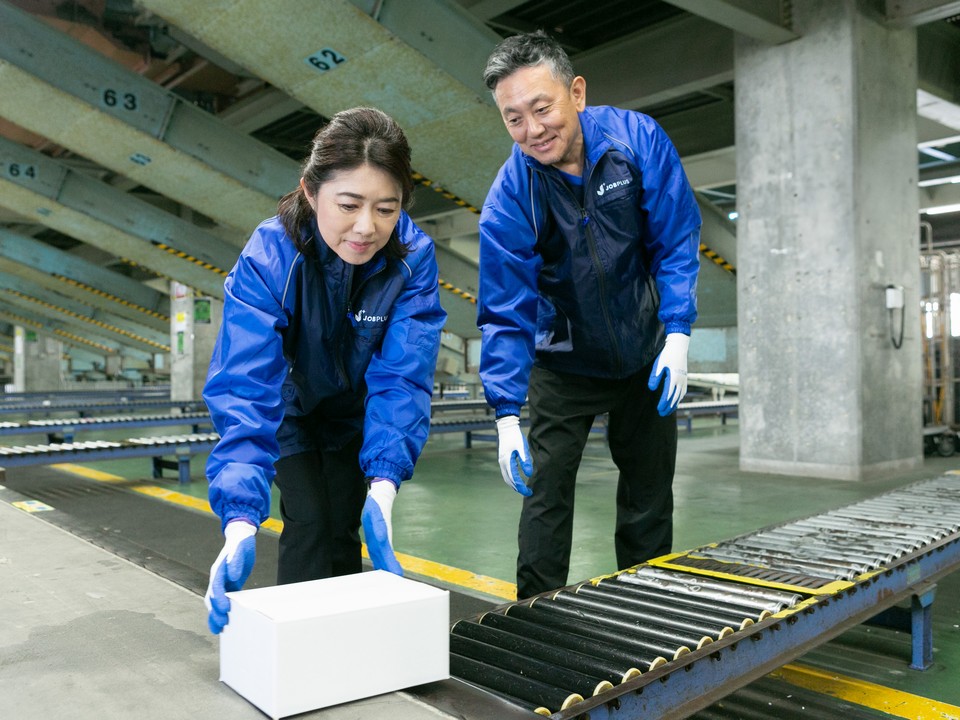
column 181, row 465
column 917, row 620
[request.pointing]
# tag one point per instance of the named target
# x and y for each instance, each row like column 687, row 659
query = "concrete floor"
column 85, row 634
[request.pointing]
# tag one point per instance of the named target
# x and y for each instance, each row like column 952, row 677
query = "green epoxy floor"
column 457, row 510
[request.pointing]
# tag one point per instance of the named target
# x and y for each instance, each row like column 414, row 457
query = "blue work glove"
column 514, row 455
column 229, row 571
column 377, row 527
column 672, row 363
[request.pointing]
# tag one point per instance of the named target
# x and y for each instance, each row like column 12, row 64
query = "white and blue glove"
column 377, row 525
column 229, row 571
column 514, row 455
column 671, row 368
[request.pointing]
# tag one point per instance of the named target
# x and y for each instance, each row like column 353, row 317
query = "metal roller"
column 641, row 617
column 715, row 616
column 511, row 684
column 864, row 528
column 853, row 546
column 904, row 521
column 683, row 600
column 563, row 657
column 845, row 540
column 650, row 633
column 763, row 558
column 699, row 586
column 808, row 551
column 823, row 522
column 535, row 669
column 566, row 623
column 723, row 586
column 924, row 530
column 924, row 508
column 602, row 651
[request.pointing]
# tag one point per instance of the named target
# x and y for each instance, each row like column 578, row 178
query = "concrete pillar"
column 37, row 361
column 194, row 324
column 19, row 359
column 827, row 196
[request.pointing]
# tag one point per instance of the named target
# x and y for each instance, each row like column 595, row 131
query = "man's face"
column 540, row 113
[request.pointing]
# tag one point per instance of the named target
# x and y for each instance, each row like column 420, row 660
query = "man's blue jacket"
column 586, row 287
column 311, row 351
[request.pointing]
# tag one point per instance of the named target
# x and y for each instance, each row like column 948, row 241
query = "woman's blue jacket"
column 311, row 352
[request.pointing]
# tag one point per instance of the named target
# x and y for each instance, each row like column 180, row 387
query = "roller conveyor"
column 669, row 637
column 66, row 427
column 182, row 446
column 95, row 405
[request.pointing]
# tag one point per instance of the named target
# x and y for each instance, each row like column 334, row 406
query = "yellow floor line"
column 893, row 702
column 419, row 566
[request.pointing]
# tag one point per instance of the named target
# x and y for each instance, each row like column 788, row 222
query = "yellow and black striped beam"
column 707, row 252
column 92, row 321
column 419, row 179
column 187, row 256
column 457, row 291
column 111, row 297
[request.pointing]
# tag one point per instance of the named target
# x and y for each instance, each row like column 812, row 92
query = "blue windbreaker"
column 586, row 288
column 311, row 351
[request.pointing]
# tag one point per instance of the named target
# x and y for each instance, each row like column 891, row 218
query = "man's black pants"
column 643, row 446
column 321, row 498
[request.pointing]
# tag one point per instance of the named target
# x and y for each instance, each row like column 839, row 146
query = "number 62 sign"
column 324, row 60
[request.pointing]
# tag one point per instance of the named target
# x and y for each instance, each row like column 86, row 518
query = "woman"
column 323, row 370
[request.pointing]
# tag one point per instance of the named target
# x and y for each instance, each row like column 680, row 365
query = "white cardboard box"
column 293, row 648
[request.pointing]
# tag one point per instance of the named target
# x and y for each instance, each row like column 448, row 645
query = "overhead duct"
column 331, row 56
column 84, row 281
column 108, row 113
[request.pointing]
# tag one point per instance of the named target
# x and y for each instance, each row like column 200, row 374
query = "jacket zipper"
column 598, row 266
column 352, row 296
column 345, row 319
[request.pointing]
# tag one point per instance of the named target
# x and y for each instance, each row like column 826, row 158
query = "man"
column 589, row 243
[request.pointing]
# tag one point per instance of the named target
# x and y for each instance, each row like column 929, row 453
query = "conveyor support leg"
column 183, row 466
column 917, row 620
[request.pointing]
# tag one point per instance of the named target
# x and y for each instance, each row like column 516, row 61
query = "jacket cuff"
column 240, row 512
column 386, row 470
column 507, row 408
column 678, row 326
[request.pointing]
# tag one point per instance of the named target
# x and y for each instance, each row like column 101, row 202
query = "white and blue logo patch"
column 604, row 187
column 362, row 318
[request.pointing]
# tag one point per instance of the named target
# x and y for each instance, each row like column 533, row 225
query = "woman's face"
column 357, row 211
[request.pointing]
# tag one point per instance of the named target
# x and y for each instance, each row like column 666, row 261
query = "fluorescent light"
column 733, row 215
column 941, row 209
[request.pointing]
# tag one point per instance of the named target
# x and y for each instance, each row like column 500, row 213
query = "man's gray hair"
column 527, row 50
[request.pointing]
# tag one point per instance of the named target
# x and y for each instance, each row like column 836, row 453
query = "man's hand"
column 377, row 525
column 514, row 455
column 229, row 571
column 672, row 363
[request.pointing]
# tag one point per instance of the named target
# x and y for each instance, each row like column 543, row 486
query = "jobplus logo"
column 361, row 317
column 612, row 186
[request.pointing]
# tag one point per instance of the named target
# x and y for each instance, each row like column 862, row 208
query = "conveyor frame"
column 677, row 690
column 913, row 541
